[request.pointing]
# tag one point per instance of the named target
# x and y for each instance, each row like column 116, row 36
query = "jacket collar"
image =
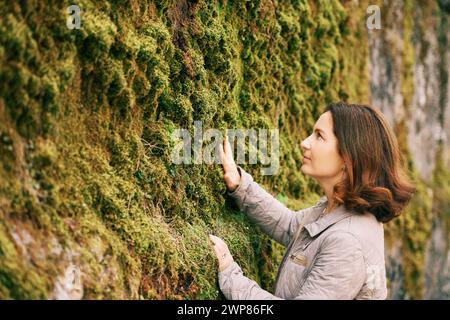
column 337, row 214
column 322, row 200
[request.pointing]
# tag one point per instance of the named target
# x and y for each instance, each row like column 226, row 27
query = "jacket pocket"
column 298, row 259
column 294, row 275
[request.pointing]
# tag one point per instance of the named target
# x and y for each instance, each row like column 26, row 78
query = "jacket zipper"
column 287, row 254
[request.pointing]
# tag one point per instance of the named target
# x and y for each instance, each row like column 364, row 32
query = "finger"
column 211, row 238
column 227, row 147
column 227, row 165
column 215, row 248
column 221, row 154
column 219, row 244
column 228, row 155
column 216, row 238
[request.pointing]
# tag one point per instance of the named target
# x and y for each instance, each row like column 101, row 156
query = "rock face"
column 92, row 205
column 409, row 70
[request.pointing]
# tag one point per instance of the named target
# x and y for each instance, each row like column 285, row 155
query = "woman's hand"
column 222, row 252
column 231, row 175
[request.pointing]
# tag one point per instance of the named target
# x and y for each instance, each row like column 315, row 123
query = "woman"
column 335, row 249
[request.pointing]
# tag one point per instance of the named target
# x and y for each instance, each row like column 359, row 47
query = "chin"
column 303, row 170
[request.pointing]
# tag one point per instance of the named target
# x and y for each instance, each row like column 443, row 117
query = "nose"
column 305, row 144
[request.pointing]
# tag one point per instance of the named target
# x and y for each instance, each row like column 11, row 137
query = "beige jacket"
column 339, row 255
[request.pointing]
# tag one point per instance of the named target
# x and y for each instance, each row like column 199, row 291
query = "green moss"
column 416, row 229
column 441, row 192
column 414, row 225
column 407, row 68
column 87, row 116
column 16, row 282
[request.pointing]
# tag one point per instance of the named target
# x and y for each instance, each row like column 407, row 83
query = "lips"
column 305, row 157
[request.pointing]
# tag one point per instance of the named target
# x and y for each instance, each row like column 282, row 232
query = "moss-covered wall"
column 91, row 205
column 409, row 74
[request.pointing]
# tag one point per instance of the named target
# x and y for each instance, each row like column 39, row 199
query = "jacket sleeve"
column 235, row 286
column 338, row 272
column 277, row 221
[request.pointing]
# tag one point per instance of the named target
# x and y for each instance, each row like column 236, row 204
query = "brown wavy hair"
column 375, row 181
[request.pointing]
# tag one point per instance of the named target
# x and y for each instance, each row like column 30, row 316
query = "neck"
column 327, row 186
column 329, row 207
column 328, row 190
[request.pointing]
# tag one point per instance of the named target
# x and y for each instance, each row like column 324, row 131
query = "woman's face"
column 322, row 161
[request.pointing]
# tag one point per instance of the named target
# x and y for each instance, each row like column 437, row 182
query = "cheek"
column 327, row 160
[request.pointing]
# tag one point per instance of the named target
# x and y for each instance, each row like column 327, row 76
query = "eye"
column 319, row 136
